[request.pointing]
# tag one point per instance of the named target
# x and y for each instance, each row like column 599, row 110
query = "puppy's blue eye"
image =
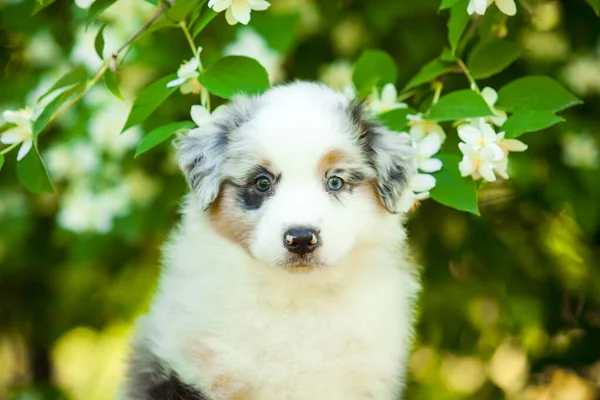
column 262, row 184
column 335, row 183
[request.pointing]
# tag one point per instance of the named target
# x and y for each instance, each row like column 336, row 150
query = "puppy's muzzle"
column 301, row 240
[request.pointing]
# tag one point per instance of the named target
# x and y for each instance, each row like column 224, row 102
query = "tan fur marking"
column 330, row 160
column 229, row 388
column 222, row 217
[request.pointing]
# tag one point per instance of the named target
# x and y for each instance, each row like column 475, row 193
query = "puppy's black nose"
column 301, row 240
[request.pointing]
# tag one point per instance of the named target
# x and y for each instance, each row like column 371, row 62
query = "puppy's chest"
column 353, row 349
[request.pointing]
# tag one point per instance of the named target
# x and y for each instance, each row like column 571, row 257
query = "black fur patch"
column 382, row 149
column 174, row 389
column 158, row 383
column 250, row 198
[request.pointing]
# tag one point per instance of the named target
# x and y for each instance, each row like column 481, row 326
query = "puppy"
column 288, row 277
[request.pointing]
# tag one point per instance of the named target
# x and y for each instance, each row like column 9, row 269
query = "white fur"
column 340, row 331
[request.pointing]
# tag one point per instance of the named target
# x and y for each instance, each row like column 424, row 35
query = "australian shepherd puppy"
column 288, row 277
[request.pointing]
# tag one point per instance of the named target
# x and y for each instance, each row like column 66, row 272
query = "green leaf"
column 535, row 93
column 459, row 105
column 180, row 9
column 206, row 17
column 595, row 5
column 111, row 83
column 396, row 119
column 451, row 189
column 430, row 71
column 1, row 161
column 160, row 134
column 529, row 121
column 373, row 68
column 235, row 74
column 279, row 30
column 493, row 57
column 76, row 75
column 46, row 115
column 449, row 3
column 457, row 23
column 40, row 5
column 96, row 9
column 32, row 173
column 99, row 42
column 148, row 100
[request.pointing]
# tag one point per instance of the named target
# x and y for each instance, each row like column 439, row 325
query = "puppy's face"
column 296, row 177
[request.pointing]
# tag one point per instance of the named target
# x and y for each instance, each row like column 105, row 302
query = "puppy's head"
column 297, row 177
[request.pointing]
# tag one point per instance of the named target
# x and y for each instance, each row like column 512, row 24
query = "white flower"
column 485, row 153
column 386, row 102
column 85, row 4
column 425, row 149
column 250, row 44
column 238, row 10
column 22, row 132
column 337, row 75
column 582, row 75
column 349, row 92
column 201, row 116
column 105, row 131
column 580, row 151
column 187, row 75
column 508, row 7
column 72, row 160
column 491, row 97
column 83, row 210
column 419, row 127
column 420, row 185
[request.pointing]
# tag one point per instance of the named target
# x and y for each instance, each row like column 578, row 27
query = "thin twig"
column 87, row 88
column 113, row 62
column 467, row 73
column 9, row 148
column 186, row 32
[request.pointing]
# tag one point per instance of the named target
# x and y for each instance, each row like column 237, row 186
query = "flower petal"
column 241, row 12
column 422, row 196
column 480, row 6
column 468, row 151
column 489, row 134
column 508, row 7
column 21, row 117
column 389, row 94
column 176, row 82
column 24, row 149
column 11, row 136
column 259, row 5
column 489, row 95
column 430, row 165
column 499, row 117
column 422, row 183
column 219, row 5
column 514, row 145
column 230, row 18
column 486, row 172
column 501, row 167
column 430, row 145
column 469, row 134
column 200, row 115
column 466, row 166
column 492, row 153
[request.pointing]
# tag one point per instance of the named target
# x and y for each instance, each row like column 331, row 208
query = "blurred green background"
column 511, row 300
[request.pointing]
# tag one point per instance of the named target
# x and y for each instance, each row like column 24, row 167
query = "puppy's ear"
column 390, row 153
column 203, row 151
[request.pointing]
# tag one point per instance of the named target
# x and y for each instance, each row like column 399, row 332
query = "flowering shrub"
column 95, row 90
column 531, row 101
